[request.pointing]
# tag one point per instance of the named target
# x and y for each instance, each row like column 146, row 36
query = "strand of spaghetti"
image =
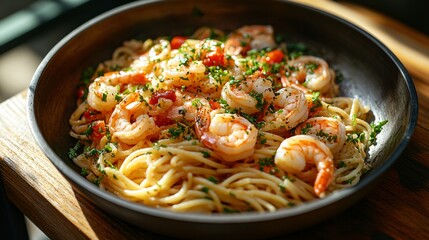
column 279, row 199
column 195, row 191
column 253, row 171
column 79, row 136
column 119, row 180
column 257, row 181
column 344, row 103
column 162, row 164
column 357, row 108
column 194, row 204
column 306, row 190
column 152, row 175
column 200, row 170
column 229, row 192
column 133, row 155
column 187, row 155
column 267, row 205
column 171, row 199
column 248, row 196
column 336, row 110
column 76, row 120
column 140, row 162
column 226, row 195
column 297, row 190
column 216, row 200
column 354, row 173
column 274, row 137
column 264, row 152
column 123, row 153
column 167, row 180
column 239, row 174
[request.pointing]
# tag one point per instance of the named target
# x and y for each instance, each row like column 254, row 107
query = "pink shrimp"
column 330, row 131
column 130, row 121
column 250, row 37
column 296, row 153
column 229, row 135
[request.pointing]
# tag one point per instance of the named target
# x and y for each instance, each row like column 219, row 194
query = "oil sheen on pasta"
column 218, row 122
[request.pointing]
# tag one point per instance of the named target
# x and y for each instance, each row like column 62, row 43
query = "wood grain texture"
column 398, row 208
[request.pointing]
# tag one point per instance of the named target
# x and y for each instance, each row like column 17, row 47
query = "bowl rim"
column 307, row 207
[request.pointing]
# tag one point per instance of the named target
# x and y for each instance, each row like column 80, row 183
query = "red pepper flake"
column 98, row 131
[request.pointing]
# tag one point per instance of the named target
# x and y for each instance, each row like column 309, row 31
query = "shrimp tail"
column 202, row 124
column 323, row 180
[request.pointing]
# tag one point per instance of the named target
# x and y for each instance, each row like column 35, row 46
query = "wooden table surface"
column 398, row 208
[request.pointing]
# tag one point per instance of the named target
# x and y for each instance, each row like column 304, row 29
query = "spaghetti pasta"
column 218, row 123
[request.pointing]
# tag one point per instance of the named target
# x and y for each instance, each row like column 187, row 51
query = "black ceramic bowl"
column 371, row 72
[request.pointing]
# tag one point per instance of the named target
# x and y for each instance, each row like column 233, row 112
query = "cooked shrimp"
column 248, row 95
column 102, row 92
column 101, row 96
column 314, row 74
column 330, row 131
column 180, row 71
column 186, row 111
column 250, row 37
column 229, row 135
column 291, row 108
column 296, row 154
column 130, row 122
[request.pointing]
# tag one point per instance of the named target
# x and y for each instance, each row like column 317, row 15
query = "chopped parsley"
column 72, row 153
column 230, row 210
column 87, row 75
column 266, row 162
column 306, row 128
column 84, row 172
column 213, row 179
column 376, row 129
column 327, row 136
column 355, row 137
column 176, row 132
column 295, row 50
column 104, row 97
column 205, row 154
column 158, row 146
column 259, row 99
column 311, row 67
column 205, row 189
column 316, row 102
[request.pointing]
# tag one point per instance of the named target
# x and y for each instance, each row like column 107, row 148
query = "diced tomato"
column 214, row 105
column 177, row 41
column 275, row 56
column 214, row 59
column 169, row 94
column 98, row 131
column 91, row 115
column 80, row 92
column 162, row 120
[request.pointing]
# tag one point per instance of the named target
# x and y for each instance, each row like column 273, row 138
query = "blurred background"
column 30, row 28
